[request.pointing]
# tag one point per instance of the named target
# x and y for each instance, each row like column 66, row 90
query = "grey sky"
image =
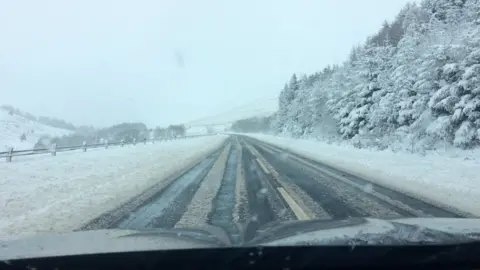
column 161, row 62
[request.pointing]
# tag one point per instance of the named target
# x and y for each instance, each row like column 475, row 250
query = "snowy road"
column 248, row 184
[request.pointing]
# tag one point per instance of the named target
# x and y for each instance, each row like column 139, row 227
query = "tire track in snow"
column 221, row 214
column 241, row 199
column 202, row 202
column 166, row 208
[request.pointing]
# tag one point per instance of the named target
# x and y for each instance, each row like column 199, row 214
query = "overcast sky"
column 102, row 62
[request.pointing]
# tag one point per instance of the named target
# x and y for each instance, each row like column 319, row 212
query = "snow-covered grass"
column 13, row 126
column 62, row 193
column 445, row 180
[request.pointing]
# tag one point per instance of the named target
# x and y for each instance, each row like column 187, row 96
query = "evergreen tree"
column 416, row 79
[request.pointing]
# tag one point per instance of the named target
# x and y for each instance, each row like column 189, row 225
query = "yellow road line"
column 264, row 168
column 297, row 210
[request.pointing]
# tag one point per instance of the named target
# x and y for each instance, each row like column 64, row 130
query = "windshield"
column 239, row 122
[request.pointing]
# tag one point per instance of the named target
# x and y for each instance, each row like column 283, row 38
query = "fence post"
column 106, row 144
column 84, row 146
column 54, row 149
column 10, row 154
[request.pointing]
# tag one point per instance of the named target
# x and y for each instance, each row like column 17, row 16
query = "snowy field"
column 441, row 178
column 45, row 193
column 13, row 126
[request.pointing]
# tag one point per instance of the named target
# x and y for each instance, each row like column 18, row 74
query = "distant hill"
column 49, row 121
column 21, row 133
column 262, row 107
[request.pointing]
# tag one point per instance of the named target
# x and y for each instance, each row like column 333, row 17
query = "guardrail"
column 53, row 150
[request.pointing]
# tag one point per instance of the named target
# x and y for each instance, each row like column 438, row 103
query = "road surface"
column 248, row 184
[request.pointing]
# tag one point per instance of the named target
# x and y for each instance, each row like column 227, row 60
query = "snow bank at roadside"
column 55, row 194
column 441, row 179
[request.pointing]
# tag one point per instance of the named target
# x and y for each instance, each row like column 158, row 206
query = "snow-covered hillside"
column 13, row 126
column 265, row 106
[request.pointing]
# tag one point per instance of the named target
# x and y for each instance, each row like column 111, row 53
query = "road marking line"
column 264, row 168
column 297, row 210
column 258, row 159
column 374, row 193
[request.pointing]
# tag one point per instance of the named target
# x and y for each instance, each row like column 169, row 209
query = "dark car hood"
column 368, row 231
column 315, row 232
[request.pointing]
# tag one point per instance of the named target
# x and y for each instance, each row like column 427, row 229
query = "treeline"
column 126, row 132
column 254, row 124
column 413, row 85
column 173, row 131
